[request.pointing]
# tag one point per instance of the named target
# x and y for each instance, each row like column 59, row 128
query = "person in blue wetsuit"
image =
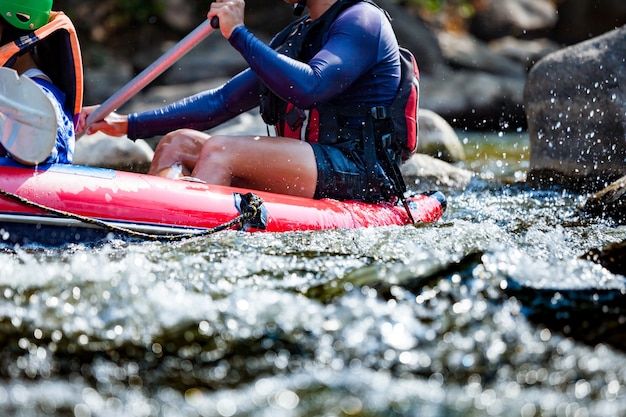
column 19, row 19
column 316, row 82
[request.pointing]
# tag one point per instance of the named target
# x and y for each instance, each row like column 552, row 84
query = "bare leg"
column 279, row 165
column 177, row 153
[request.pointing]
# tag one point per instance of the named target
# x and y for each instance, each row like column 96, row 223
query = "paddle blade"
column 28, row 122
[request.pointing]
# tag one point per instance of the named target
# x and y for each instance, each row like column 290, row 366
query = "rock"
column 586, row 307
column 609, row 203
column 438, row 139
column 612, row 257
column 498, row 18
column 525, row 52
column 467, row 52
column 475, row 99
column 104, row 151
column 422, row 173
column 575, row 103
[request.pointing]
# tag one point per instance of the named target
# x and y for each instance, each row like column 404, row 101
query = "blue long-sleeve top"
column 358, row 64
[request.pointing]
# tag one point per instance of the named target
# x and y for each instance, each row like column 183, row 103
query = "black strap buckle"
column 380, row 112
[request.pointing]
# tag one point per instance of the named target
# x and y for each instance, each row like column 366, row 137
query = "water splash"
column 380, row 321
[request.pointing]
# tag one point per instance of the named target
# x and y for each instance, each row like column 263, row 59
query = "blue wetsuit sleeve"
column 352, row 49
column 201, row 111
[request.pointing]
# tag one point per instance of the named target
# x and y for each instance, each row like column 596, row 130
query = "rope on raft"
column 251, row 210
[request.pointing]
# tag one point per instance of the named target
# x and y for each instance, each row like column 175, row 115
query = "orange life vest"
column 60, row 56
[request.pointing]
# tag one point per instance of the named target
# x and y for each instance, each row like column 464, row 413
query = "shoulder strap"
column 281, row 37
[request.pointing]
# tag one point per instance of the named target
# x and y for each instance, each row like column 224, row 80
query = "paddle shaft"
column 154, row 70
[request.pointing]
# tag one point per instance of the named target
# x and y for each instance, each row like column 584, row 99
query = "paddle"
column 28, row 122
column 153, row 71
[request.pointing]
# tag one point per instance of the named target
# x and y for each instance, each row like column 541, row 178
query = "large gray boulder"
column 575, row 102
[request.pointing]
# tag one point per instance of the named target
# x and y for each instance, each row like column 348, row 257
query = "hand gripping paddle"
column 28, row 122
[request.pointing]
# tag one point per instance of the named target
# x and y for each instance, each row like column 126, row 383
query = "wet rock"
column 104, row 151
column 422, row 173
column 438, row 139
column 484, row 84
column 609, row 203
column 593, row 315
column 575, row 104
column 612, row 257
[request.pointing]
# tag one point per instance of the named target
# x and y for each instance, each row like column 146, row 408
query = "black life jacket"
column 324, row 122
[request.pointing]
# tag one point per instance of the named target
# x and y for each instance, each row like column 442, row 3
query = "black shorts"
column 341, row 175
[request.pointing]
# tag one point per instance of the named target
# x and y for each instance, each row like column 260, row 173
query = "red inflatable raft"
column 57, row 204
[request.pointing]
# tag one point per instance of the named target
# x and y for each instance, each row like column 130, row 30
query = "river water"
column 488, row 312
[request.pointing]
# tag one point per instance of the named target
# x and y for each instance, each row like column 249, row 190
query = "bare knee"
column 179, row 148
column 217, row 146
column 217, row 160
column 183, row 139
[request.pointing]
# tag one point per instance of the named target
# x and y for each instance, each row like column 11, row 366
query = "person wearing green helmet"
column 26, row 15
column 19, row 18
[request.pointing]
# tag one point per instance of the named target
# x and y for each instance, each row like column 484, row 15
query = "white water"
column 395, row 321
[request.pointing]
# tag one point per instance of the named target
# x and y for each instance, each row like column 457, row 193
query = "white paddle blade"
column 28, row 122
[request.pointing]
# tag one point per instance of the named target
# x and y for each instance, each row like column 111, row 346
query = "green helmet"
column 26, row 14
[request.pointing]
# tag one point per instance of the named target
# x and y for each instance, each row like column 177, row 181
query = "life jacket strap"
column 377, row 148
